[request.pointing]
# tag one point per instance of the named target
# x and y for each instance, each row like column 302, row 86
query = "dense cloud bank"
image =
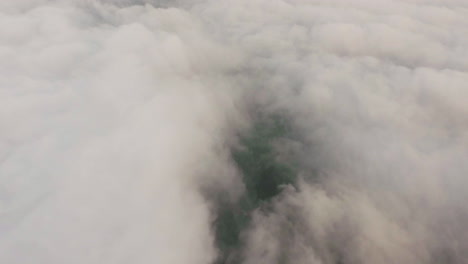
column 117, row 119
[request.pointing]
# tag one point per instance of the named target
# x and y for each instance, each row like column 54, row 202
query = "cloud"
column 109, row 115
column 117, row 118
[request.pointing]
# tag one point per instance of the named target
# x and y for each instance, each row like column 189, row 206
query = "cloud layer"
column 117, row 117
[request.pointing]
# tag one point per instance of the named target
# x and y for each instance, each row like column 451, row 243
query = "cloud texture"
column 116, row 117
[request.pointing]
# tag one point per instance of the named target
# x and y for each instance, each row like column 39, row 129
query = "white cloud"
column 114, row 114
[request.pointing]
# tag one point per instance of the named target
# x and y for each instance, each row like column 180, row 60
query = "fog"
column 119, row 120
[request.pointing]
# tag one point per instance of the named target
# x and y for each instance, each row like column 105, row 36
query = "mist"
column 226, row 132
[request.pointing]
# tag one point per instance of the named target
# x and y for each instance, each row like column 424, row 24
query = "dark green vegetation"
column 263, row 176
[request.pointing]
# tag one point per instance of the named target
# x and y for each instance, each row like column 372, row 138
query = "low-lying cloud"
column 117, row 118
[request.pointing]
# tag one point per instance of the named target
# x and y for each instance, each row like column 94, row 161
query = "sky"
column 117, row 120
